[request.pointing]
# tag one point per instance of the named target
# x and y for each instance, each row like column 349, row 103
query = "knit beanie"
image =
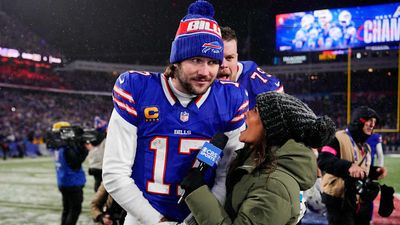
column 99, row 124
column 358, row 118
column 285, row 117
column 198, row 34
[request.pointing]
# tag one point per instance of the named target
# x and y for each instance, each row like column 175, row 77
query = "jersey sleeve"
column 240, row 107
column 120, row 149
column 219, row 188
column 119, row 156
column 264, row 82
column 124, row 94
column 257, row 81
column 379, row 137
column 379, row 151
column 329, row 160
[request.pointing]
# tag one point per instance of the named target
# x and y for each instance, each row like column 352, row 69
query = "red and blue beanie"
column 198, row 35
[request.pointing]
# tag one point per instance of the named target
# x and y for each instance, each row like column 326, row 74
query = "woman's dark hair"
column 265, row 158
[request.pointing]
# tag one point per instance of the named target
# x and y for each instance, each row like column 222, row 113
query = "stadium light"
column 9, row 52
column 54, row 60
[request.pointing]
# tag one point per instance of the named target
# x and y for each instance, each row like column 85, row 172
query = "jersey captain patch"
column 151, row 114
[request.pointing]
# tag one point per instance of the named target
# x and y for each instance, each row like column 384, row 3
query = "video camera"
column 73, row 136
column 367, row 189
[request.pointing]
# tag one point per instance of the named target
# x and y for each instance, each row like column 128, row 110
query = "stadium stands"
column 36, row 94
column 26, row 115
column 326, row 93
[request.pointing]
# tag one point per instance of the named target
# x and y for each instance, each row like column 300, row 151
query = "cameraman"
column 69, row 154
column 96, row 152
column 346, row 163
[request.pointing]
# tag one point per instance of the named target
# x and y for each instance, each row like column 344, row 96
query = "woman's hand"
column 192, row 181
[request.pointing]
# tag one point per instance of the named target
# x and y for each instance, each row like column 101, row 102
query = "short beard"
column 187, row 86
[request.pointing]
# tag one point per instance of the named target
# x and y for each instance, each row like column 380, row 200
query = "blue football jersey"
column 170, row 135
column 256, row 81
column 372, row 141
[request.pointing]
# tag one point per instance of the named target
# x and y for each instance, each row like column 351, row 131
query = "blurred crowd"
column 26, row 114
column 326, row 93
column 29, row 103
column 25, row 72
column 88, row 81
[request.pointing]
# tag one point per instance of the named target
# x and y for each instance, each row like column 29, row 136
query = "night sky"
column 132, row 31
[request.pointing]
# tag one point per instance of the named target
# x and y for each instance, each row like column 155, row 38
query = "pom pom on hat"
column 203, row 8
column 319, row 133
column 198, row 35
column 286, row 117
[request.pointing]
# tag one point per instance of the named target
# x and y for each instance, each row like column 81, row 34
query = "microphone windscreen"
column 219, row 140
column 211, row 152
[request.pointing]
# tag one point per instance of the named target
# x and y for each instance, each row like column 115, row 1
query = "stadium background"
column 84, row 45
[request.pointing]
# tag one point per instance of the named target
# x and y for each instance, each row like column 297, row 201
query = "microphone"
column 210, row 154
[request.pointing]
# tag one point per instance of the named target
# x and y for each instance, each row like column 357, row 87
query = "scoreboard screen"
column 341, row 28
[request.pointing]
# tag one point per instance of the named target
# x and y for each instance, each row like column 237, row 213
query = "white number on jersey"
column 160, row 147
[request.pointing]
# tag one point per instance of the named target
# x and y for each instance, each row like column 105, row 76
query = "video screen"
column 340, row 28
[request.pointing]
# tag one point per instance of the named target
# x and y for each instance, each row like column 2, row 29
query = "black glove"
column 192, row 181
column 371, row 190
column 386, row 204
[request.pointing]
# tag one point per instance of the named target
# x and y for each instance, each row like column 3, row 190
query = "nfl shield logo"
column 184, row 116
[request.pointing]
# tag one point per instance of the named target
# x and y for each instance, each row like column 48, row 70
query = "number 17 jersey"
column 170, row 135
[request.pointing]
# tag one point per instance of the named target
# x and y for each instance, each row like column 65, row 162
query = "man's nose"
column 223, row 64
column 204, row 69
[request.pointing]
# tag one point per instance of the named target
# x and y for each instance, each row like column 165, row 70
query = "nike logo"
column 278, row 83
column 121, row 80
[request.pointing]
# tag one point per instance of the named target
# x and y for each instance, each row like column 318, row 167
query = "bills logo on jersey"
column 151, row 114
column 214, row 47
column 184, row 117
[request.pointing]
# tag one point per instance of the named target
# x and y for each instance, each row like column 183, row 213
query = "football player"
column 161, row 120
column 246, row 73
